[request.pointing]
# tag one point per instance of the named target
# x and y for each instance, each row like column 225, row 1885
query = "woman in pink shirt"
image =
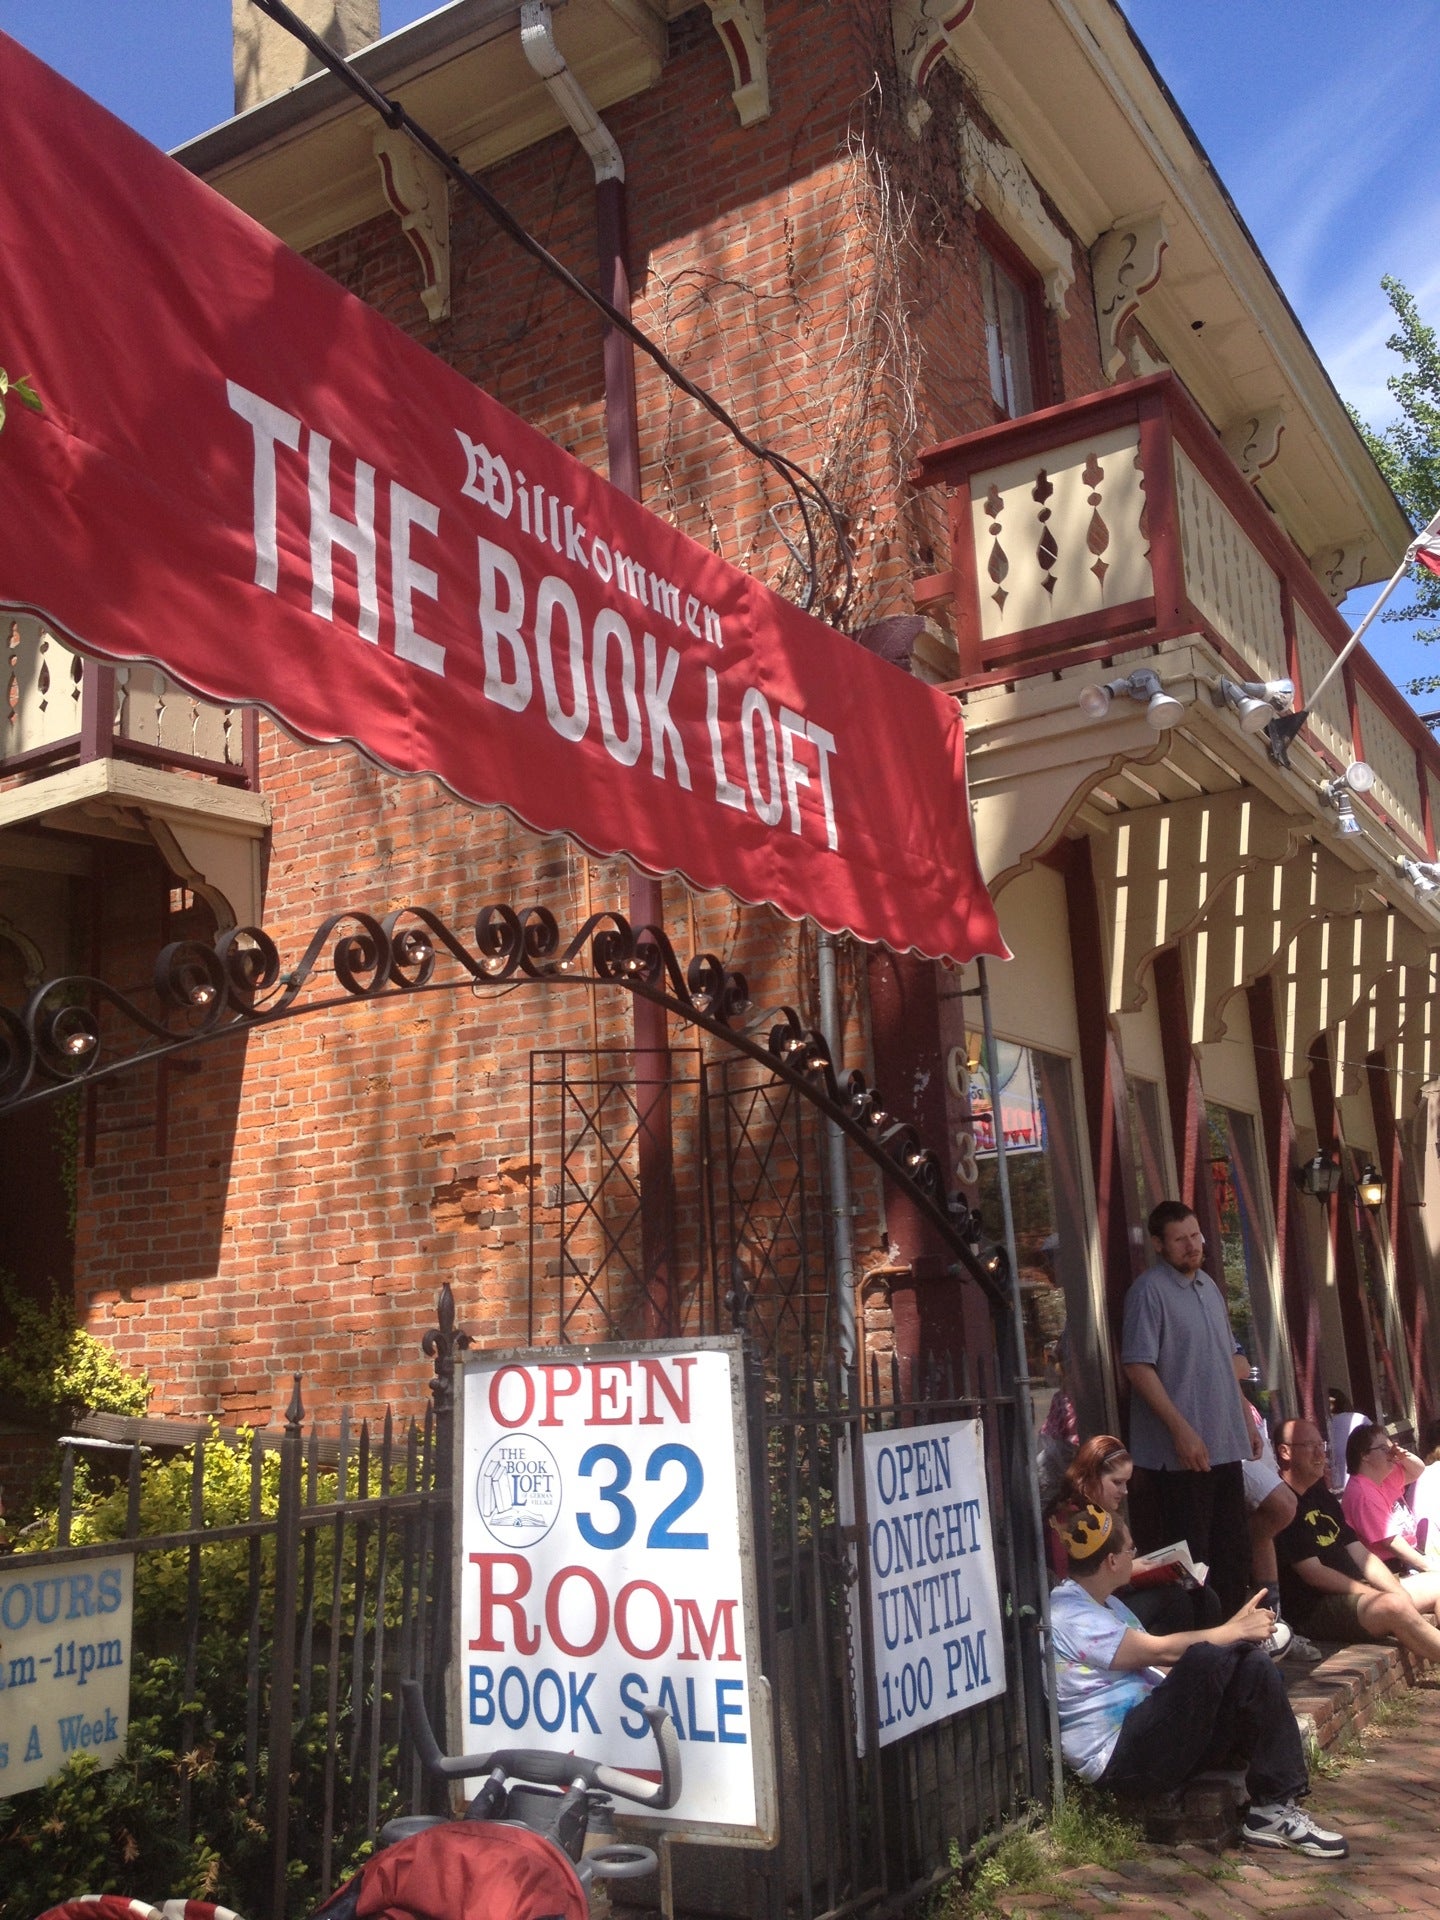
column 1375, row 1505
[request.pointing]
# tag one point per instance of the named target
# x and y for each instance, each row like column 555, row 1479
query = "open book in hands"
column 1168, row 1566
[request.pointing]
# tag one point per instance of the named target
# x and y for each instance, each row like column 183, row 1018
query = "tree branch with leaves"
column 1408, row 451
column 22, row 390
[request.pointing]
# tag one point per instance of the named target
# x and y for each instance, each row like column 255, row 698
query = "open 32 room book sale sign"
column 606, row 1565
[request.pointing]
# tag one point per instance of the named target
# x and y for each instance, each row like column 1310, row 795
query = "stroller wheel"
column 622, row 1861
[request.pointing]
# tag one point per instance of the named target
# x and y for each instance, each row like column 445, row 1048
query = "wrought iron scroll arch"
column 206, row 994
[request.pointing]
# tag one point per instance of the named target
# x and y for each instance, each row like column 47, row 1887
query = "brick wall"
column 816, row 272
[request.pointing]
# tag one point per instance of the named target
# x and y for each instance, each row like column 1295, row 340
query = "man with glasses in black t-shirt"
column 1332, row 1586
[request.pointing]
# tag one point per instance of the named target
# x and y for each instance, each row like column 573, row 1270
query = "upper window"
column 1010, row 337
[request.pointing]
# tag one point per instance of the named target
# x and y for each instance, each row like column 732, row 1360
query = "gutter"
column 537, row 40
column 646, row 901
column 390, row 62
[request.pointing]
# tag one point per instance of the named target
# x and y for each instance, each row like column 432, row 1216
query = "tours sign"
column 247, row 476
column 606, row 1565
column 64, row 1667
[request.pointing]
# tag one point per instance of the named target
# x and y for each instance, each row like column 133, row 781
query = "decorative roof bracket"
column 416, row 187
column 924, row 32
column 1253, row 441
column 1125, row 263
column 741, row 27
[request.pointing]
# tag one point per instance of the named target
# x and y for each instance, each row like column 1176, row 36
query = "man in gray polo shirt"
column 1189, row 1429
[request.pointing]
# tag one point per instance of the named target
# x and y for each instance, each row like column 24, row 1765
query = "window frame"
column 994, row 241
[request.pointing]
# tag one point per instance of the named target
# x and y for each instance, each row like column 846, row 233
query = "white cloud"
column 1324, row 123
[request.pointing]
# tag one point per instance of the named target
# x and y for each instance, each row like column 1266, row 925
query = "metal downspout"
column 622, row 440
column 1025, row 1418
column 838, row 1166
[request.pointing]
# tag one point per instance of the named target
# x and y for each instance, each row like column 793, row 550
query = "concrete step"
column 1336, row 1699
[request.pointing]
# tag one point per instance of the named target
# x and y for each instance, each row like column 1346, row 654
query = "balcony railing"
column 1119, row 519
column 60, row 708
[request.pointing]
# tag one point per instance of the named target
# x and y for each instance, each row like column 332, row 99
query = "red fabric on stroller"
column 470, row 1870
column 102, row 1906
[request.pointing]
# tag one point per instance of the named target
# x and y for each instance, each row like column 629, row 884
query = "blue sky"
column 1322, row 118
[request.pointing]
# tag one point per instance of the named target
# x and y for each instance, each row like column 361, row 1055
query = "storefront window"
column 1037, row 1111
column 1242, row 1265
column 1152, row 1176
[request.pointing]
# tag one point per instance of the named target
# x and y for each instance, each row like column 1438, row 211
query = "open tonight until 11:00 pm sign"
column 936, row 1631
column 607, row 1566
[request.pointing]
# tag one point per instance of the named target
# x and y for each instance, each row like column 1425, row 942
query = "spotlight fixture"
column 1162, row 710
column 1423, row 875
column 1370, row 1187
column 1255, row 703
column 1319, row 1177
column 1358, row 777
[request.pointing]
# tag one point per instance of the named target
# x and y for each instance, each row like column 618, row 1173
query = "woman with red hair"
column 1099, row 1476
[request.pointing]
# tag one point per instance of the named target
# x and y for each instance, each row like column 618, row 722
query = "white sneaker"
column 1285, row 1825
column 1281, row 1640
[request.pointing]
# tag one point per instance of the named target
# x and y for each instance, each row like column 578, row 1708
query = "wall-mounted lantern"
column 1319, row 1177
column 1371, row 1187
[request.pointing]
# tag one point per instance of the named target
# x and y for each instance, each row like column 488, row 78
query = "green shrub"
column 121, row 1830
column 51, row 1369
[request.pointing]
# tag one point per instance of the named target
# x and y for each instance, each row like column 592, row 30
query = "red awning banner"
column 248, row 477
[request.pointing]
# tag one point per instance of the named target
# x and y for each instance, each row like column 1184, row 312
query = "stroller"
column 518, row 1852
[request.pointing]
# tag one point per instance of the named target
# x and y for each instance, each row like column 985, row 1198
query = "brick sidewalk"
column 1386, row 1801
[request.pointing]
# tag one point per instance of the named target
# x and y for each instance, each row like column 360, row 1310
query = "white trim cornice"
column 997, row 179
column 1069, row 87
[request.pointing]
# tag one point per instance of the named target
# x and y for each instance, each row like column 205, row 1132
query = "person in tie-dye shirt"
column 1141, row 1713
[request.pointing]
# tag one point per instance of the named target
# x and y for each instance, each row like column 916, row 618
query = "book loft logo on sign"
column 517, row 1491
column 607, row 1566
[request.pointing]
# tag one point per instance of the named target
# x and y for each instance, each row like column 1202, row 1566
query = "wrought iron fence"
column 269, row 1646
column 872, row 1830
column 768, row 1201
column 747, row 1227
column 287, row 1629
column 588, row 1274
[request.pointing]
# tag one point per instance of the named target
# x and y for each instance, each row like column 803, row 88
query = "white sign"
column 1022, row 1111
column 935, row 1625
column 607, row 1565
column 64, row 1668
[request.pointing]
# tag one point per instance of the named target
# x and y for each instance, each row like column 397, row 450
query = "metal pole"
column 282, row 1671
column 841, row 1227
column 1022, row 1379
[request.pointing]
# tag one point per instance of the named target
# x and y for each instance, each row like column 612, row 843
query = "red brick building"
column 868, row 230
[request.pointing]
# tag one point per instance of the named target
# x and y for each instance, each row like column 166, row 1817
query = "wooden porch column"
column 1301, row 1299
column 1400, row 1197
column 1102, row 1071
column 1189, row 1125
column 935, row 1310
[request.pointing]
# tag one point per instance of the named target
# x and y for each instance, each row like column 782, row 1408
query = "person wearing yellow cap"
column 1142, row 1713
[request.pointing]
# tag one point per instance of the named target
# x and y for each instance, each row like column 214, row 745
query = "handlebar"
column 547, row 1769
